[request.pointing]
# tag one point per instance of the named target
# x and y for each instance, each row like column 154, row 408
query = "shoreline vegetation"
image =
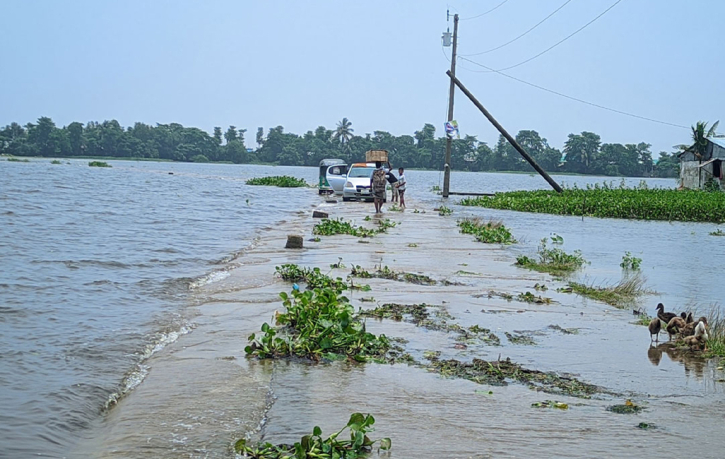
column 582, row 153
column 639, row 203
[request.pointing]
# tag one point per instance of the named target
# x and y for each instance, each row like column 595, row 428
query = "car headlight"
column 349, row 185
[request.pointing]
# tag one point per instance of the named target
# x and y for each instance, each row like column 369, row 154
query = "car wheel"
column 345, row 199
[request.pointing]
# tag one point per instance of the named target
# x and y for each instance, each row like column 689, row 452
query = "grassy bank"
column 609, row 202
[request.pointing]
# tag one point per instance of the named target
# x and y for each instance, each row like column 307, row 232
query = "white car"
column 356, row 184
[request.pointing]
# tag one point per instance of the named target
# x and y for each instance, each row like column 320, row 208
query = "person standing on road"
column 392, row 180
column 401, row 186
column 378, row 183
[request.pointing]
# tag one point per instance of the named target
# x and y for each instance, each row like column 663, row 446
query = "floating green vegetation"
column 607, row 201
column 99, row 164
column 566, row 331
column 284, row 181
column 444, row 211
column 491, row 232
column 550, row 404
column 330, row 227
column 529, row 297
column 718, row 232
column 552, row 260
column 338, row 265
column 520, row 339
column 540, row 287
column 314, row 446
column 643, row 319
column 435, row 188
column 412, row 245
column 313, row 277
column 501, row 371
column 395, row 208
column 13, row 159
column 432, row 318
column 646, row 426
column 460, row 272
column 628, row 407
column 387, row 273
column 621, row 295
column 317, row 324
column 630, row 263
column 55, row 161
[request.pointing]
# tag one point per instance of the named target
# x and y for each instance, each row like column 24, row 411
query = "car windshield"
column 361, row 172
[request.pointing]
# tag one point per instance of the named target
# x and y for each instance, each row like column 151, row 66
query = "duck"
column 675, row 325
column 655, row 326
column 689, row 328
column 701, row 330
column 688, row 318
column 664, row 316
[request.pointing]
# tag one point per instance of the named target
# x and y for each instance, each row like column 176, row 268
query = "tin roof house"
column 697, row 170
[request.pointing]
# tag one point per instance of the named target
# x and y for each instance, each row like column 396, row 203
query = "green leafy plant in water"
column 630, row 262
column 13, row 159
column 317, row 324
column 529, row 297
column 550, row 404
column 338, row 265
column 719, row 232
column 55, row 161
column 98, row 164
column 412, row 245
column 607, row 201
column 284, row 181
column 552, row 260
column 488, row 232
column 315, row 447
column 313, row 277
column 620, row 295
column 330, row 227
column 444, row 211
column 520, row 339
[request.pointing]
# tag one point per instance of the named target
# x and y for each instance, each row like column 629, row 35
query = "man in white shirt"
column 401, row 187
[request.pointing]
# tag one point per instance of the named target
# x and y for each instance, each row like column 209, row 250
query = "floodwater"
column 164, row 321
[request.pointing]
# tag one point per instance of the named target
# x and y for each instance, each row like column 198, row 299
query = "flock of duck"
column 682, row 327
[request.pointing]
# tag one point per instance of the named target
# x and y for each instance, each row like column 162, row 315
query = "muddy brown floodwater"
column 202, row 393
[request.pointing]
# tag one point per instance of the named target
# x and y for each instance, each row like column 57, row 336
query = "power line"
column 560, row 41
column 574, row 98
column 483, row 14
column 509, row 42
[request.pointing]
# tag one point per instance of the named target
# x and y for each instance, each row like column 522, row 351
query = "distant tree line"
column 583, row 153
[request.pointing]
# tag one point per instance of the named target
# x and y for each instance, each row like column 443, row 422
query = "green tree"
column 217, row 135
column 700, row 133
column 581, row 151
column 343, row 133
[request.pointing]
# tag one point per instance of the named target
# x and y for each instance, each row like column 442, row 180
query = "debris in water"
column 550, row 404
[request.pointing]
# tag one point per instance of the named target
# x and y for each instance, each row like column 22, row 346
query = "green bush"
column 553, row 260
column 99, row 164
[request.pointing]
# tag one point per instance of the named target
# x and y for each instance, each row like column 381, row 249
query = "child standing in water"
column 401, row 187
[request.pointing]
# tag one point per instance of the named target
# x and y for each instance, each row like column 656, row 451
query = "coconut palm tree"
column 700, row 133
column 343, row 133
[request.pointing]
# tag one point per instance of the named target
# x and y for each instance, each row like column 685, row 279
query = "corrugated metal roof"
column 719, row 141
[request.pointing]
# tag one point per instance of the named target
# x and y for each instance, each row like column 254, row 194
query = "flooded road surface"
column 202, row 393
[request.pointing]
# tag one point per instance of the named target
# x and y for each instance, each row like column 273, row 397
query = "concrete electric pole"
column 447, row 166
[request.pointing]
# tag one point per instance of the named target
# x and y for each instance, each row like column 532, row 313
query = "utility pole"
column 447, row 166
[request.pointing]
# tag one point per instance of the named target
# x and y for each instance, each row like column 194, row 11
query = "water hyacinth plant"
column 99, row 164
column 284, row 181
column 317, row 324
column 314, row 446
column 488, row 232
column 553, row 260
column 613, row 202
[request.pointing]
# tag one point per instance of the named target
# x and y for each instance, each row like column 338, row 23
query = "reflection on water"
column 692, row 361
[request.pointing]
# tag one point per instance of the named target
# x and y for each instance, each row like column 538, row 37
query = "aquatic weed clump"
column 620, row 295
column 313, row 277
column 498, row 373
column 332, row 226
column 284, row 181
column 384, row 272
column 491, row 232
column 314, row 446
column 317, row 324
column 553, row 260
column 608, row 201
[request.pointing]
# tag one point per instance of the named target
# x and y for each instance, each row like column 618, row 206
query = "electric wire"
column 483, row 14
column 523, row 34
column 575, row 98
column 560, row 41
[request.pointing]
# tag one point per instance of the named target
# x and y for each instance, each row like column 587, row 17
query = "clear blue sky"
column 301, row 64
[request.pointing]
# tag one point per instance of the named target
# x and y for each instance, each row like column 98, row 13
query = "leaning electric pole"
column 447, row 165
